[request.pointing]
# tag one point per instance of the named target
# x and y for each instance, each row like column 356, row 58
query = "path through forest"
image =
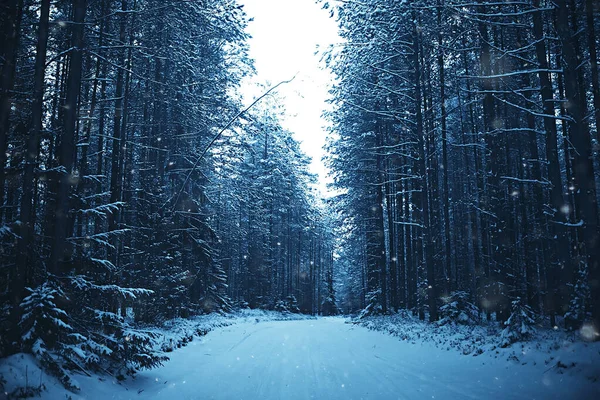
column 327, row 358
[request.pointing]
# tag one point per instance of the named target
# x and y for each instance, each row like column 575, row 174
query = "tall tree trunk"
column 380, row 233
column 559, row 247
column 66, row 152
column 25, row 261
column 583, row 169
column 478, row 241
column 83, row 161
column 392, row 232
column 494, row 193
column 12, row 12
column 591, row 31
column 424, row 196
column 118, row 134
column 445, row 167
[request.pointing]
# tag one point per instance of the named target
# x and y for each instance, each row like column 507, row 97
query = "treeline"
column 275, row 236
column 465, row 152
column 121, row 202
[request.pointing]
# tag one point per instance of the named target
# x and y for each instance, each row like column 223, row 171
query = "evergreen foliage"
column 463, row 151
column 519, row 326
column 118, row 207
column 457, row 309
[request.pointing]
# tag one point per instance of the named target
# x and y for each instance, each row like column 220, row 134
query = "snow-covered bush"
column 457, row 309
column 292, row 304
column 65, row 336
column 241, row 305
column 46, row 331
column 373, row 306
column 112, row 343
column 329, row 306
column 43, row 322
column 519, row 326
column 289, row 305
column 280, row 306
column 578, row 311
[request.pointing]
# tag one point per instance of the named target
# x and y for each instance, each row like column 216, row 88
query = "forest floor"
column 329, row 358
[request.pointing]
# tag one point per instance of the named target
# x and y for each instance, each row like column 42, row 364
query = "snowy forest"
column 466, row 149
column 137, row 186
column 113, row 198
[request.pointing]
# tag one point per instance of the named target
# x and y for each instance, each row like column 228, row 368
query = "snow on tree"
column 457, row 309
column 520, row 324
column 579, row 307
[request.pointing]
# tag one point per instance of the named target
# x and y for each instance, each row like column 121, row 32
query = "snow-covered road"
column 329, row 359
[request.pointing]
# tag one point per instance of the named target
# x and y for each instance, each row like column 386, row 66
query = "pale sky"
column 285, row 36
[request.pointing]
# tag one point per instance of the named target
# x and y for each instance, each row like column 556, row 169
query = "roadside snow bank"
column 21, row 375
column 178, row 332
column 555, row 350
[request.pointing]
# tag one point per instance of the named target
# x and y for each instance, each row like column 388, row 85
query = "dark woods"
column 466, row 152
column 464, row 149
column 105, row 109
